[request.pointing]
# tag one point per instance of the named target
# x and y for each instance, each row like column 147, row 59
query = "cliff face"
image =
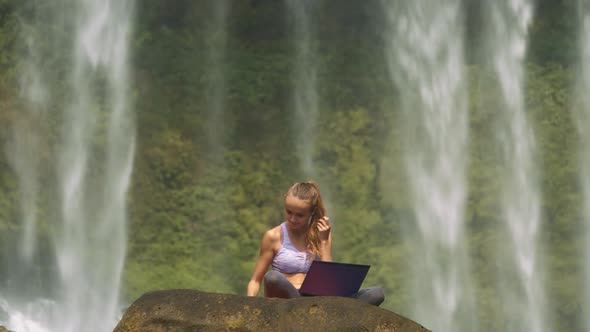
column 190, row 310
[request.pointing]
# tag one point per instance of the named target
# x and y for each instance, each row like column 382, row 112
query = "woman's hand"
column 323, row 226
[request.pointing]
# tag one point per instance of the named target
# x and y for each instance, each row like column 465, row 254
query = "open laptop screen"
column 333, row 279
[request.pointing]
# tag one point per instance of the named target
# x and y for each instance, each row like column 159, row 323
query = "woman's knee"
column 276, row 285
column 273, row 278
column 372, row 295
column 377, row 296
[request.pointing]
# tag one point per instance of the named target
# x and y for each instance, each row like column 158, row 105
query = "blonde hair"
column 310, row 192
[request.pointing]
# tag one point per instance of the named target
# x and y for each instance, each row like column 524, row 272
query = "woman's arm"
column 325, row 239
column 262, row 263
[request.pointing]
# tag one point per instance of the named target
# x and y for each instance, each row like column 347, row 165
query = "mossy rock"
column 191, row 310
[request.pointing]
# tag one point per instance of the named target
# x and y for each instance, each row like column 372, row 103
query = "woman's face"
column 297, row 212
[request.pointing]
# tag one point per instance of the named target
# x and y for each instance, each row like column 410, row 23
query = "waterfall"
column 93, row 161
column 425, row 54
column 582, row 120
column 91, row 244
column 23, row 150
column 522, row 274
column 216, row 65
column 305, row 98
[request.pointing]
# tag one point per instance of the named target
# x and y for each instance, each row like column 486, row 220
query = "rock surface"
column 191, row 310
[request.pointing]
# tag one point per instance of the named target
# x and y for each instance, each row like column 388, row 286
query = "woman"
column 291, row 247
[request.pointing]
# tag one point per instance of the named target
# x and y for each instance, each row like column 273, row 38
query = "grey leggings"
column 276, row 285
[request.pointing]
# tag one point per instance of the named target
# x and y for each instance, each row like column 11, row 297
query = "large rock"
column 190, row 310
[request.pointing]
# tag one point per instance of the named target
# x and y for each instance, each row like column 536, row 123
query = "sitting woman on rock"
column 290, row 248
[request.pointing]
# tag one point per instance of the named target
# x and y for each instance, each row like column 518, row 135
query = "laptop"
column 333, row 279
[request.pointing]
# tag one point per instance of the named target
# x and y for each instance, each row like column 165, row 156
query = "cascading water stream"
column 305, row 96
column 24, row 148
column 426, row 62
column 521, row 287
column 93, row 178
column 216, row 64
column 582, row 120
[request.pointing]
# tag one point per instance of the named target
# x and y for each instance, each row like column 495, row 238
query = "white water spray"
column 94, row 165
column 305, row 97
column 426, row 61
column 20, row 319
column 522, row 291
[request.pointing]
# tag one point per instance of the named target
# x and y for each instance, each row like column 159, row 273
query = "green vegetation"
column 196, row 219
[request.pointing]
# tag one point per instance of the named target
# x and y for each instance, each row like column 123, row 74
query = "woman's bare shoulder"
column 274, row 233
